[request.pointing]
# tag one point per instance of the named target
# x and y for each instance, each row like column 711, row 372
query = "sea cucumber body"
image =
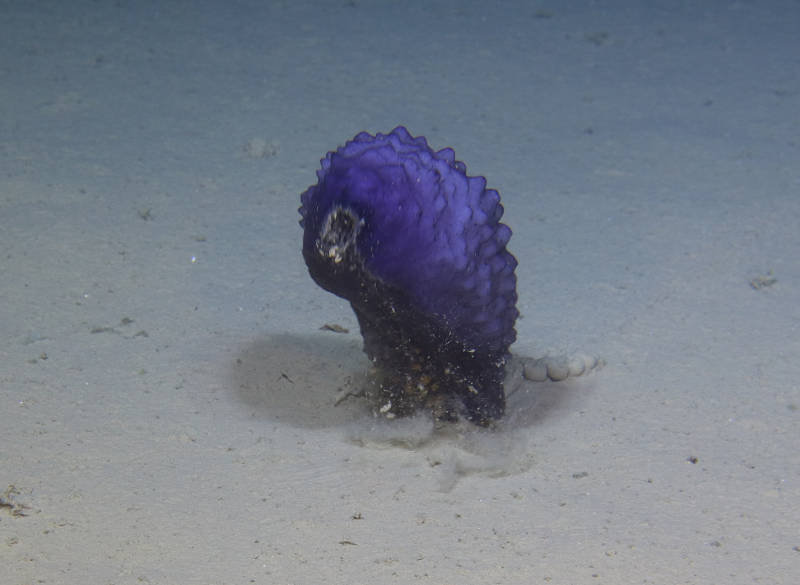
column 417, row 247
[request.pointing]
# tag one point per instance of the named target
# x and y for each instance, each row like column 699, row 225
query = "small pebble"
column 576, row 366
column 558, row 369
column 592, row 362
column 535, row 371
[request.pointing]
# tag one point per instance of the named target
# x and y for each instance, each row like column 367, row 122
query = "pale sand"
column 168, row 397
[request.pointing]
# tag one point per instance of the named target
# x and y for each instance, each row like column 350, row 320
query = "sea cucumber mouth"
column 337, row 239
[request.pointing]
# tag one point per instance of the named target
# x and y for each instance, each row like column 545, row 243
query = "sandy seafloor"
column 168, row 396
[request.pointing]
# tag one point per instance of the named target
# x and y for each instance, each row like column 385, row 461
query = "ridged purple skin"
column 429, row 230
